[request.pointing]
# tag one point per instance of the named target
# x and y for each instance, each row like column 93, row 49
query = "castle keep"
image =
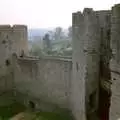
column 87, row 85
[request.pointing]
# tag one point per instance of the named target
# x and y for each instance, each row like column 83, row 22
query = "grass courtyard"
column 16, row 111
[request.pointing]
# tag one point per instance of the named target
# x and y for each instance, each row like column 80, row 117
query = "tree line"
column 55, row 42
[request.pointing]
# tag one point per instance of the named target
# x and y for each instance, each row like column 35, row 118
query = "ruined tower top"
column 13, row 40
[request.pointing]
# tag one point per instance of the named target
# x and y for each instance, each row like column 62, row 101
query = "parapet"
column 90, row 16
column 14, row 27
column 87, row 11
column 116, row 10
column 104, row 17
column 103, row 12
column 5, row 27
column 117, row 5
column 86, row 29
column 77, row 18
column 19, row 27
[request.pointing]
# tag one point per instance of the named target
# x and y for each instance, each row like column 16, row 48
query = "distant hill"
column 40, row 32
column 37, row 32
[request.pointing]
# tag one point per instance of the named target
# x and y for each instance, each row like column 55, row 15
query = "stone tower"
column 12, row 40
column 96, row 42
column 20, row 38
column 86, row 48
column 5, row 42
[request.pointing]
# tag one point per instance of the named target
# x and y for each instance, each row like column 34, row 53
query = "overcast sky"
column 46, row 13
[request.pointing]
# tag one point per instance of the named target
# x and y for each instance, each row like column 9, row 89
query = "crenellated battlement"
column 14, row 27
column 87, row 11
column 79, row 17
column 19, row 27
column 5, row 27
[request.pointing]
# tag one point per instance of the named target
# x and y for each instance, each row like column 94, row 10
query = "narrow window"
column 7, row 62
column 31, row 105
column 77, row 66
column 92, row 100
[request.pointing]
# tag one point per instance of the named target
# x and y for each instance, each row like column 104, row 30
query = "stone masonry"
column 95, row 42
column 115, row 63
column 12, row 40
column 74, row 84
column 86, row 45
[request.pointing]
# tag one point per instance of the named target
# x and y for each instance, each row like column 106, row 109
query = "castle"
column 87, row 84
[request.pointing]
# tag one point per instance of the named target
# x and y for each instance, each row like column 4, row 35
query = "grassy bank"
column 16, row 111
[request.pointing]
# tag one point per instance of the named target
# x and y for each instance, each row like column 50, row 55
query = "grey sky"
column 46, row 13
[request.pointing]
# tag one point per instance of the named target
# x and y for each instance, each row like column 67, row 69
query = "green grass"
column 7, row 112
column 53, row 116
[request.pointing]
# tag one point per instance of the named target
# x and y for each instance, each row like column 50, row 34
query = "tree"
column 70, row 32
column 36, row 50
column 47, row 41
column 51, row 33
column 58, row 33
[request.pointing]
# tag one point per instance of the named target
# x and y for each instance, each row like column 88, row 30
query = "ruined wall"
column 78, row 83
column 45, row 80
column 86, row 46
column 5, row 41
column 20, row 39
column 12, row 40
column 5, row 71
column 105, row 50
column 115, row 63
column 105, row 56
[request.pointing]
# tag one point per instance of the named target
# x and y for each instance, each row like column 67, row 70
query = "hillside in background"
column 40, row 32
column 37, row 32
column 60, row 42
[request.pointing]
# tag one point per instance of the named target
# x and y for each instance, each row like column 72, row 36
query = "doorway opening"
column 31, row 105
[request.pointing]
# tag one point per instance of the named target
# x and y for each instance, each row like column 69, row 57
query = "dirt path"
column 23, row 116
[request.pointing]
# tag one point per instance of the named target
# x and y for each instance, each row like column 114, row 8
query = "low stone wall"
column 43, row 79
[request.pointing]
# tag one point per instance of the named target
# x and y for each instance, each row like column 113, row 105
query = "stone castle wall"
column 12, row 40
column 115, row 63
column 86, row 46
column 68, row 84
column 47, row 80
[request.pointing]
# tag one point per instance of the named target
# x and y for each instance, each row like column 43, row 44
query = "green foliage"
column 58, row 34
column 36, row 51
column 59, row 48
column 53, row 116
column 60, row 45
column 8, row 111
column 70, row 32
